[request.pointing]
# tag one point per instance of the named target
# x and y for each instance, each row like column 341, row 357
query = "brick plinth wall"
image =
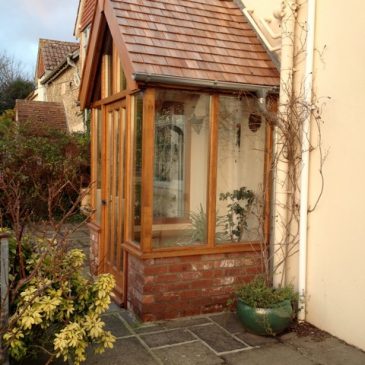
column 184, row 286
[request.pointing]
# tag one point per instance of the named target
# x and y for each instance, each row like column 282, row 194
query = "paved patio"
column 217, row 339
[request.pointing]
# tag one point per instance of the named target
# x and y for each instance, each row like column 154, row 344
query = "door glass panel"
column 115, row 194
column 109, row 174
column 122, row 177
column 137, row 166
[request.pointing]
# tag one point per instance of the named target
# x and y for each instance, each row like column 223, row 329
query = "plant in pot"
column 265, row 310
column 262, row 309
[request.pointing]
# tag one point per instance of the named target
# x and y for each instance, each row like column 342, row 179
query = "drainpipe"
column 304, row 178
column 280, row 186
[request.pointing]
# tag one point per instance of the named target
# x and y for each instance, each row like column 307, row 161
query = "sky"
column 23, row 22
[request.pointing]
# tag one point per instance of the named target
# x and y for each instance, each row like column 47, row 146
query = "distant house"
column 42, row 115
column 58, row 79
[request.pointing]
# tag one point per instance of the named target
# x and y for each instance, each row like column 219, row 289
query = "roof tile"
column 54, row 52
column 42, row 115
column 193, row 39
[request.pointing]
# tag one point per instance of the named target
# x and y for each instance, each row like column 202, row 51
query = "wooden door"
column 114, row 193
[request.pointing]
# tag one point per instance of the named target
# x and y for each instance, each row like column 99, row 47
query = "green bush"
column 58, row 309
column 258, row 294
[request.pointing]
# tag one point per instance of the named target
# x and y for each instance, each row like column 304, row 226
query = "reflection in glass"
column 180, row 168
column 137, row 167
column 240, row 174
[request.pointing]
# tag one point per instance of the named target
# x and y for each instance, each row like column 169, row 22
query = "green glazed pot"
column 265, row 321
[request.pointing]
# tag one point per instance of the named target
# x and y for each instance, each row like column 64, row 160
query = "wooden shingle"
column 194, row 39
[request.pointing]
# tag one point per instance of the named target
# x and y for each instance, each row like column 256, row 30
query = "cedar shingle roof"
column 42, row 115
column 87, row 13
column 54, row 52
column 198, row 39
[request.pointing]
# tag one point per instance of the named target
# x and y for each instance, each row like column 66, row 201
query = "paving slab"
column 218, row 339
column 194, row 353
column 188, row 322
column 254, row 340
column 329, row 351
column 127, row 351
column 229, row 321
column 167, row 338
column 277, row 354
column 115, row 325
column 149, row 328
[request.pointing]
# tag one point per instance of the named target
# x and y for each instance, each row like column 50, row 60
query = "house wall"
column 335, row 274
column 65, row 89
column 184, row 286
column 336, row 278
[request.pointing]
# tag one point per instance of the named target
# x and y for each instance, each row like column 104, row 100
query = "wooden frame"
column 146, row 250
column 113, row 187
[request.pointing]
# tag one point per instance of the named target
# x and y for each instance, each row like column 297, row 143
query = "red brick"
column 212, row 257
column 155, row 270
column 200, row 266
column 253, row 270
column 190, row 275
column 205, row 283
column 149, row 317
column 180, row 267
column 228, row 280
column 211, row 292
column 238, row 271
column 190, row 293
column 177, row 286
column 148, row 299
column 149, row 279
column 166, row 278
column 153, row 288
column 168, row 297
column 167, row 261
column 191, row 259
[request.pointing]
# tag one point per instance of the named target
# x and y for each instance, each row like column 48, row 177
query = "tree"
column 14, row 83
column 55, row 308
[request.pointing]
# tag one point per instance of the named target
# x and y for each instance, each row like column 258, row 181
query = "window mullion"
column 147, row 169
column 212, row 170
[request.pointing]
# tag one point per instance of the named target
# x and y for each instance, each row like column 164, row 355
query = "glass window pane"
column 180, row 168
column 137, row 167
column 240, row 175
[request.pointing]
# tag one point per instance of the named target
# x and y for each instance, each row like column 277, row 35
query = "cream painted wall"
column 336, row 275
column 336, row 249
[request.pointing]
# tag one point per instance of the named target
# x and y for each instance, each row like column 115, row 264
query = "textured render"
column 65, row 89
column 184, row 286
column 336, row 230
column 193, row 39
